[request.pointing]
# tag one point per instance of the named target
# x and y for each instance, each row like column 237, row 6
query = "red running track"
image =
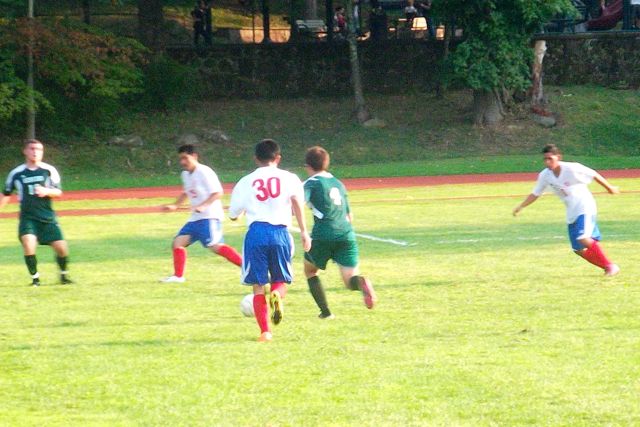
column 351, row 184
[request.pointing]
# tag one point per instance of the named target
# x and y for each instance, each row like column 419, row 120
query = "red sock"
column 281, row 287
column 262, row 315
column 230, row 254
column 179, row 261
column 596, row 256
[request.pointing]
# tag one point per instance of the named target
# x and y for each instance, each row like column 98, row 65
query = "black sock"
column 62, row 263
column 32, row 264
column 354, row 283
column 317, row 292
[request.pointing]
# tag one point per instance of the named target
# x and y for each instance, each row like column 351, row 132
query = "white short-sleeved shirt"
column 199, row 185
column 572, row 186
column 265, row 196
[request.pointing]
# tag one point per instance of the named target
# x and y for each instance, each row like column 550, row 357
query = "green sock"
column 32, row 264
column 62, row 263
column 354, row 283
column 317, row 292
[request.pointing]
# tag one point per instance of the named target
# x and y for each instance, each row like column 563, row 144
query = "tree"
column 74, row 64
column 362, row 113
column 496, row 55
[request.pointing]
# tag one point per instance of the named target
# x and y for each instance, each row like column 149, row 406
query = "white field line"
column 505, row 239
column 374, row 238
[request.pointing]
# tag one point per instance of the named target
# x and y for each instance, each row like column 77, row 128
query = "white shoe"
column 611, row 270
column 173, row 279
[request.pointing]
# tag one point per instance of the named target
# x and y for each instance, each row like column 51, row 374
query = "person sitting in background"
column 410, row 13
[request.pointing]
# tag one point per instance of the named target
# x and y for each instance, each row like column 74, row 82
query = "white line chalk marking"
column 373, row 238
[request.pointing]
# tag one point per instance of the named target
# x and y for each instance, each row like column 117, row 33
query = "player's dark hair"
column 267, row 150
column 188, row 149
column 32, row 141
column 317, row 158
column 551, row 148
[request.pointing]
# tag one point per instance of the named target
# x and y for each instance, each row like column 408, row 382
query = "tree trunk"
column 266, row 21
column 537, row 93
column 311, row 9
column 487, row 108
column 150, row 24
column 86, row 12
column 362, row 114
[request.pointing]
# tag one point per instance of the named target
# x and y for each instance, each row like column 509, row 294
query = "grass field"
column 483, row 320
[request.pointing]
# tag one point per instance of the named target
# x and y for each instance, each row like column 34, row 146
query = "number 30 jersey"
column 25, row 181
column 265, row 196
column 327, row 198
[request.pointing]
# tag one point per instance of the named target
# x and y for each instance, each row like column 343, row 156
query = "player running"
column 204, row 191
column 570, row 182
column 267, row 196
column 37, row 183
column 332, row 236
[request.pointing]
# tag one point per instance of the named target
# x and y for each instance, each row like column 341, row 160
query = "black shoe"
column 35, row 282
column 65, row 280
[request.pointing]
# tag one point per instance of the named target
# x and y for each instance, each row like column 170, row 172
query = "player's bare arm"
column 298, row 211
column 47, row 192
column 204, row 205
column 530, row 199
column 612, row 189
column 3, row 201
column 179, row 202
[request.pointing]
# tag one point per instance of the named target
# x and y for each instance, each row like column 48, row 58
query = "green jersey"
column 327, row 198
column 24, row 181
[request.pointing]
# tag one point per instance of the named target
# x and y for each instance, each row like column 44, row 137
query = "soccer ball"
column 246, row 306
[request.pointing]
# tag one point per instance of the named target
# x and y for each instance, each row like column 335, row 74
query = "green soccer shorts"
column 343, row 252
column 45, row 232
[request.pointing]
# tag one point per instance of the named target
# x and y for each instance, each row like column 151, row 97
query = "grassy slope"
column 425, row 135
column 487, row 320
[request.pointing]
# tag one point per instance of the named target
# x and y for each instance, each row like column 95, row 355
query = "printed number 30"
column 270, row 190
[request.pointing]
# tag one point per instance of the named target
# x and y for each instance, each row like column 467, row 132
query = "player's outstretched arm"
column 612, row 189
column 204, row 205
column 530, row 199
column 179, row 201
column 298, row 211
column 47, row 192
column 3, row 201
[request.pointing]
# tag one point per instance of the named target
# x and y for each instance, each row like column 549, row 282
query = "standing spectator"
column 410, row 13
column 378, row 24
column 208, row 21
column 341, row 21
column 357, row 17
column 198, row 23
column 425, row 10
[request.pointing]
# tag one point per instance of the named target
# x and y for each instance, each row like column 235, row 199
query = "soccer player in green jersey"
column 332, row 237
column 37, row 183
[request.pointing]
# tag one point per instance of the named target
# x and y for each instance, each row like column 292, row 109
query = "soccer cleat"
column 265, row 337
column 173, row 279
column 277, row 308
column 324, row 316
column 611, row 270
column 64, row 279
column 368, row 293
column 35, row 282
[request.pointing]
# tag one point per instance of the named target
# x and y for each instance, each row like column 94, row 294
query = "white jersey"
column 265, row 196
column 199, row 185
column 572, row 188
